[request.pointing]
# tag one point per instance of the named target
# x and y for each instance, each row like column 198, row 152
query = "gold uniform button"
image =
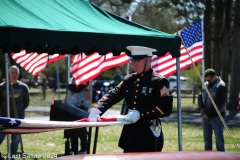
column 135, row 103
column 138, row 79
column 135, row 96
column 133, row 108
column 152, row 110
column 147, row 112
column 142, row 74
column 137, row 84
column 145, row 94
column 126, row 90
column 136, row 90
column 142, row 114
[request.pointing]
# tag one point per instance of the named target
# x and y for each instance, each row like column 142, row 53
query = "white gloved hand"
column 132, row 116
column 94, row 115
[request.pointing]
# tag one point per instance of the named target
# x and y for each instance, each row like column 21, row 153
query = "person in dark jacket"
column 210, row 118
column 148, row 99
column 21, row 97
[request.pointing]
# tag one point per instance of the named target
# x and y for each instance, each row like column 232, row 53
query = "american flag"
column 7, row 123
column 24, row 126
column 192, row 34
column 192, row 38
column 85, row 68
column 35, row 63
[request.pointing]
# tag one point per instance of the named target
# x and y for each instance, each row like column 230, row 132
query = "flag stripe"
column 86, row 68
column 35, row 63
column 55, row 57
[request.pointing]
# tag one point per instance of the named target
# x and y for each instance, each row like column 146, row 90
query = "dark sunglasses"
column 209, row 80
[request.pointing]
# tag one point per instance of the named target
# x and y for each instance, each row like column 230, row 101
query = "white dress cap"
column 140, row 51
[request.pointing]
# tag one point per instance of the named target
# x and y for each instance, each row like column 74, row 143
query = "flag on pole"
column 192, row 38
column 35, row 63
column 85, row 68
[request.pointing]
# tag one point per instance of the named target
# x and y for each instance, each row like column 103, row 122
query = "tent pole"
column 68, row 66
column 57, row 71
column 7, row 100
column 124, row 109
column 179, row 110
column 16, row 116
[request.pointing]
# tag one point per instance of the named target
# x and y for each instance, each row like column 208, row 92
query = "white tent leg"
column 179, row 109
column 7, row 100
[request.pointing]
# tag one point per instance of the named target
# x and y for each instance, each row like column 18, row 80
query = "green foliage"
column 194, row 76
column 25, row 74
column 109, row 74
column 50, row 70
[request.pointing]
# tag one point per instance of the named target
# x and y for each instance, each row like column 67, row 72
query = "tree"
column 226, row 41
column 218, row 25
column 235, row 68
column 207, row 34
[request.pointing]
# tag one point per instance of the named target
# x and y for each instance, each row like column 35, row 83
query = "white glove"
column 94, row 115
column 132, row 116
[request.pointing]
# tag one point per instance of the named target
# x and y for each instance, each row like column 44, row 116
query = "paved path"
column 232, row 119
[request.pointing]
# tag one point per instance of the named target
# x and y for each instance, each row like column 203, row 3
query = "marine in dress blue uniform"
column 148, row 99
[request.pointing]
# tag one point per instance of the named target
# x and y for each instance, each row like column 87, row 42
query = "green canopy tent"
column 71, row 27
column 52, row 26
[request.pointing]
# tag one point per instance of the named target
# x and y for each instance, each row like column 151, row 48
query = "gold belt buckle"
column 157, row 128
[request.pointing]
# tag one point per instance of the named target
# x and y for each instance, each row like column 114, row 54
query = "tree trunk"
column 218, row 32
column 225, row 42
column 207, row 34
column 235, row 82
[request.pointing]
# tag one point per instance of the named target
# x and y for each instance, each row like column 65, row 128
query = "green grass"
column 36, row 97
column 192, row 140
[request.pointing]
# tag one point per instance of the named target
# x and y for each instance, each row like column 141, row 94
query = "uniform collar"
column 147, row 73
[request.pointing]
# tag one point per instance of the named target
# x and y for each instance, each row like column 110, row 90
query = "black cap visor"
column 138, row 57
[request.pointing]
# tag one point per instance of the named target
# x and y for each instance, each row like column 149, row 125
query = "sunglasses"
column 209, row 80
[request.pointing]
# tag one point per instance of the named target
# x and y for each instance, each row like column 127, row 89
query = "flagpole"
column 203, row 61
column 185, row 35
